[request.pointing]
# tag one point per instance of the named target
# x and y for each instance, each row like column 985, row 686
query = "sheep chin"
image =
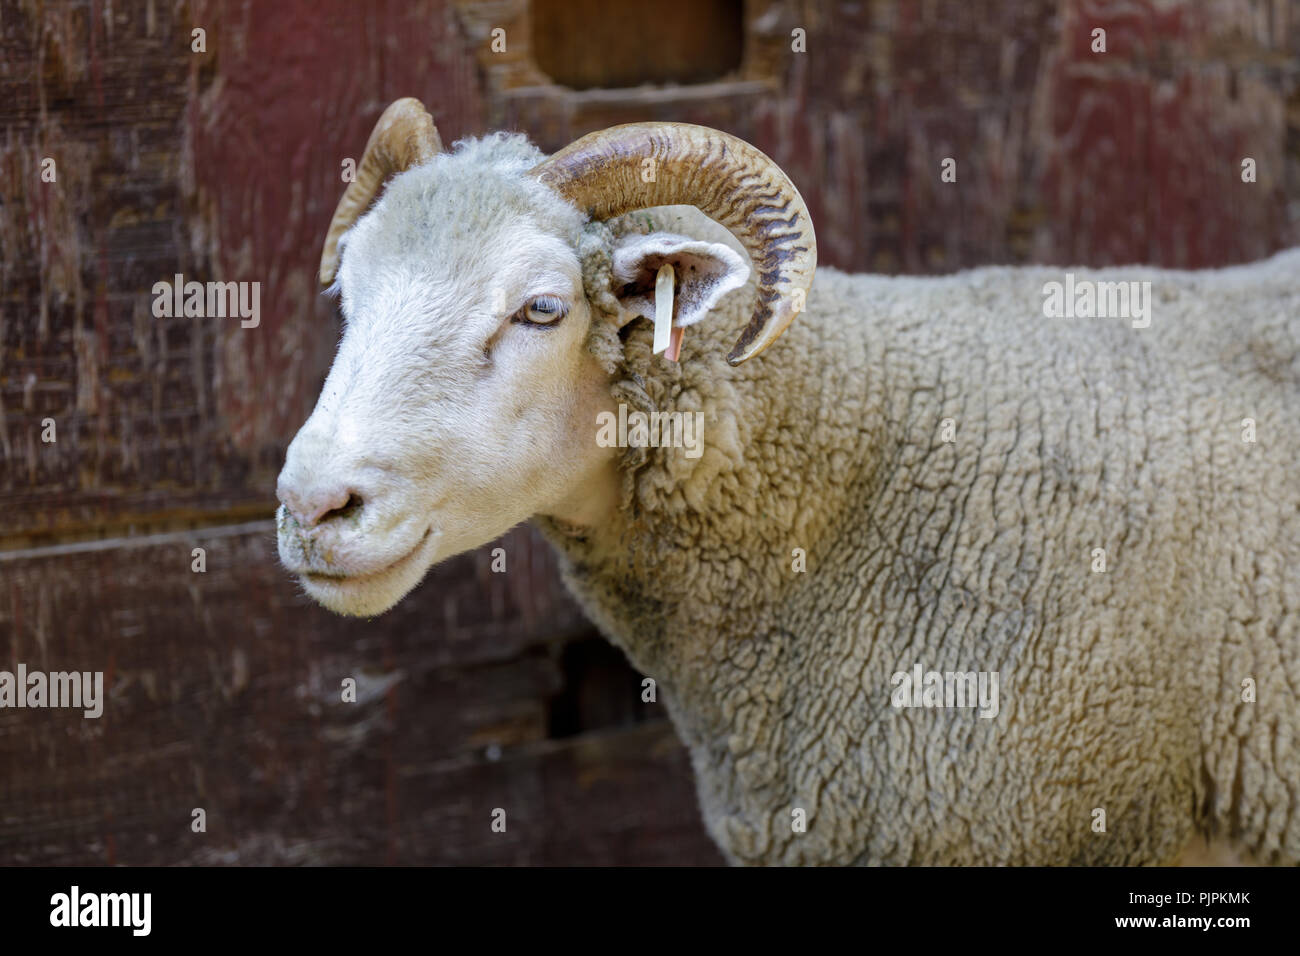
column 373, row 593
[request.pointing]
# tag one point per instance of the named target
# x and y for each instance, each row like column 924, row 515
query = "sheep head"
column 464, row 395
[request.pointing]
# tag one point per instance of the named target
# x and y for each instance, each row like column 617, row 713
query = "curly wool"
column 1121, row 691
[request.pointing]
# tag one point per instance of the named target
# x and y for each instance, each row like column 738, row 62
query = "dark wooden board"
column 224, row 691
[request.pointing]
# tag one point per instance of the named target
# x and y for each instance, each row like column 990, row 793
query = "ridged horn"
column 403, row 137
column 726, row 178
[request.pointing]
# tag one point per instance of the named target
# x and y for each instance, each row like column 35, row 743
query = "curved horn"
column 726, row 178
column 403, row 137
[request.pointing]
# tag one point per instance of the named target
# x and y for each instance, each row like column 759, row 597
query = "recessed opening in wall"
column 598, row 43
column 601, row 690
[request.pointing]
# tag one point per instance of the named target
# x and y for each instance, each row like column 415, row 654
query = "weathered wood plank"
column 161, row 170
column 224, row 692
column 619, row 796
column 126, row 604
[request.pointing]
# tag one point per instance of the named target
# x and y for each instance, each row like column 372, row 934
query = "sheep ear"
column 705, row 272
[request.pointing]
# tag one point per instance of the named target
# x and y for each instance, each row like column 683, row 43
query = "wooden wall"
column 483, row 690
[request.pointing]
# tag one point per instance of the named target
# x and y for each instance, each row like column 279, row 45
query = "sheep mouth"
column 367, row 577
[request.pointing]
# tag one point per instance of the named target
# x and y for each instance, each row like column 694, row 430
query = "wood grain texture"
column 221, row 165
column 224, row 691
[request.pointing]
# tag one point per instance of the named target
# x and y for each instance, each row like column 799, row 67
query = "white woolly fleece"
column 922, row 471
column 1120, row 690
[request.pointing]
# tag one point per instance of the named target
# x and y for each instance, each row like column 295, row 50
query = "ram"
column 1090, row 526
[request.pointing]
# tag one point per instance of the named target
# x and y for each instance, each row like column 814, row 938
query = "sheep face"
column 461, row 400
column 466, row 393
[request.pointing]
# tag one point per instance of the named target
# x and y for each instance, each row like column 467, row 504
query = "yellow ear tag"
column 667, row 338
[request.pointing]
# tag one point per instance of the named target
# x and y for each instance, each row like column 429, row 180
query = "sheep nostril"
column 349, row 509
column 319, row 505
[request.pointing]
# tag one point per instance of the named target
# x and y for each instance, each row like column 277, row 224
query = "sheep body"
column 1121, row 690
column 1160, row 691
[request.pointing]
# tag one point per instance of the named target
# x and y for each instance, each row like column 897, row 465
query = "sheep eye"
column 543, row 310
